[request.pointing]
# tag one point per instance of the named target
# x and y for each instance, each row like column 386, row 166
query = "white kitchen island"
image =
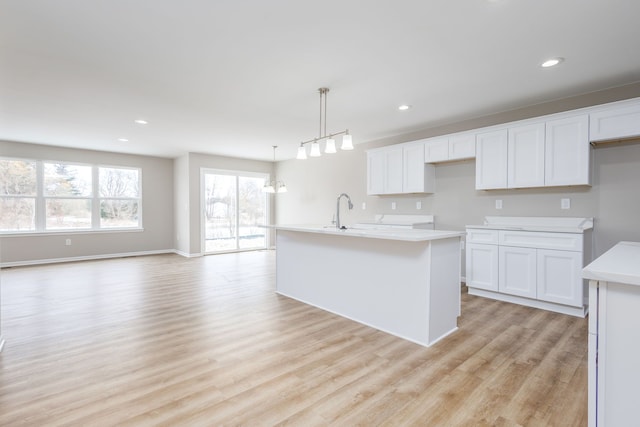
column 614, row 337
column 404, row 282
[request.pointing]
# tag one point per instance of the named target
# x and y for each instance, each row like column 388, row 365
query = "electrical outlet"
column 498, row 204
column 364, row 205
column 67, row 242
column 418, row 205
column 565, row 203
column 393, row 206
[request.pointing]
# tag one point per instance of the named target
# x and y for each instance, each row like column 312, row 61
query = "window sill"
column 76, row 232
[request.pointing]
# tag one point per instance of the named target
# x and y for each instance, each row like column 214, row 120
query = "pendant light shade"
column 347, row 142
column 330, row 146
column 302, row 153
column 315, row 150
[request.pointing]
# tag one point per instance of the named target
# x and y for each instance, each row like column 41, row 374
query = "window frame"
column 95, row 200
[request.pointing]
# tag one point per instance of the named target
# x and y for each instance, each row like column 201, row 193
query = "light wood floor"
column 166, row 340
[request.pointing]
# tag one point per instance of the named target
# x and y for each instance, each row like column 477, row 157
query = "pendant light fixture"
column 329, row 142
column 274, row 186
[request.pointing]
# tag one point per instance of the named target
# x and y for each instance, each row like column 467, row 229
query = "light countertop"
column 543, row 224
column 408, row 235
column 620, row 264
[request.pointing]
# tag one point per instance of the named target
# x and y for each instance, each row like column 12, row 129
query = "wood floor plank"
column 165, row 341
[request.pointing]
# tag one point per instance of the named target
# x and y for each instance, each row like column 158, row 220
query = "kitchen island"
column 403, row 282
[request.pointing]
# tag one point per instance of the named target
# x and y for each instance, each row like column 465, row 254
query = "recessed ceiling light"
column 551, row 62
column 404, row 107
column 123, row 140
column 141, row 122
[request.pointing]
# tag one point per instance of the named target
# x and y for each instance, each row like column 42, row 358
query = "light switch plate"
column 565, row 203
column 364, row 205
column 393, row 205
column 498, row 204
column 418, row 205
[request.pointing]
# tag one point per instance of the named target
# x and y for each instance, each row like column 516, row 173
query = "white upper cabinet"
column 417, row 177
column 393, row 175
column 436, row 150
column 399, row 169
column 491, row 160
column 617, row 122
column 450, row 147
column 567, row 151
column 462, row 146
column 536, row 154
column 525, row 152
column 376, row 165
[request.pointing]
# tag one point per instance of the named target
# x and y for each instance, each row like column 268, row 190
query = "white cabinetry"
column 414, row 170
column 393, row 172
column 436, row 150
column 482, row 259
column 525, row 154
column 451, row 147
column 617, row 122
column 399, row 169
column 567, row 151
column 491, row 160
column 536, row 154
column 517, row 271
column 537, row 268
column 614, row 337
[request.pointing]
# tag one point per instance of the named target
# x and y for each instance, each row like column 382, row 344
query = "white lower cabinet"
column 539, row 269
column 517, row 271
column 482, row 266
column 558, row 276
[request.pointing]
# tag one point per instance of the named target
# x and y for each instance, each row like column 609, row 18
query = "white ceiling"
column 236, row 77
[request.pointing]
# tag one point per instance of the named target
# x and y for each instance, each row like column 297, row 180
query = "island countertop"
column 620, row 264
column 411, row 235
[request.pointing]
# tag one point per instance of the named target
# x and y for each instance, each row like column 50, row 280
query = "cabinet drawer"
column 480, row 235
column 541, row 240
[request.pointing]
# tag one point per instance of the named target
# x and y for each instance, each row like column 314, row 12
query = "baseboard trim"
column 85, row 258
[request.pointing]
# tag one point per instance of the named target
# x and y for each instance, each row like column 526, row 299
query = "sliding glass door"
column 234, row 211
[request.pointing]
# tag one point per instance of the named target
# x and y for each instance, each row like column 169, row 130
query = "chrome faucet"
column 338, row 209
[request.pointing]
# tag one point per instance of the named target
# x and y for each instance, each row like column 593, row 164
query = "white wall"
column 614, row 198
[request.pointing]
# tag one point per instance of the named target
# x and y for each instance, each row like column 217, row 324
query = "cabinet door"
column 462, row 146
column 413, row 169
column 376, row 167
column 436, row 150
column 567, row 152
column 526, row 156
column 517, row 272
column 393, row 171
column 615, row 123
column 491, row 160
column 559, row 277
column 482, row 266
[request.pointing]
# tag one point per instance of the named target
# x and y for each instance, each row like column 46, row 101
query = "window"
column 42, row 196
column 18, row 198
column 119, row 197
column 67, row 194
